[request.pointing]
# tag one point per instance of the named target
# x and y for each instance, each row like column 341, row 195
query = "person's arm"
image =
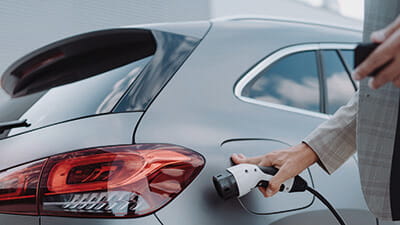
column 331, row 144
column 334, row 141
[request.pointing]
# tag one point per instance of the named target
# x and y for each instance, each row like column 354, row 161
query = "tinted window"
column 172, row 51
column 339, row 86
column 292, row 81
column 90, row 96
column 12, row 109
column 108, row 82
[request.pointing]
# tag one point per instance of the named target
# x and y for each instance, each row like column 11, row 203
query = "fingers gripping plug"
column 240, row 179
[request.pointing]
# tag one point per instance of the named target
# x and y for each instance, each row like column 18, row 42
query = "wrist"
column 307, row 153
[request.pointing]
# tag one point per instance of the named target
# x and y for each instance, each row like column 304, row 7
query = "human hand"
column 388, row 50
column 290, row 162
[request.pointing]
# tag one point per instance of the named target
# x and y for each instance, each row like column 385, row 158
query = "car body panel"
column 172, row 51
column 19, row 219
column 224, row 68
column 146, row 220
column 101, row 130
column 282, row 201
column 195, row 29
column 319, row 217
column 198, row 110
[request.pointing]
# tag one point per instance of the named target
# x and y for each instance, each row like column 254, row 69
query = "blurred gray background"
column 30, row 24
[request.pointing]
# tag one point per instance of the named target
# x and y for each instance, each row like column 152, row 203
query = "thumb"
column 240, row 158
column 276, row 182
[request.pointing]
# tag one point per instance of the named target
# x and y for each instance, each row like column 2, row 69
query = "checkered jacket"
column 367, row 124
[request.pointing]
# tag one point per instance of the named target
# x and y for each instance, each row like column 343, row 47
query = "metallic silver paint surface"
column 172, row 51
column 147, row 220
column 282, row 201
column 198, row 110
column 6, row 219
column 101, row 130
column 323, row 217
column 195, row 29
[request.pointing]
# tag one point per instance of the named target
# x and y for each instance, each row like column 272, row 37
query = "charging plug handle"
column 299, row 184
column 227, row 183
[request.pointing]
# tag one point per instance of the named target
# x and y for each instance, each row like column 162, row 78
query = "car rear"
column 81, row 99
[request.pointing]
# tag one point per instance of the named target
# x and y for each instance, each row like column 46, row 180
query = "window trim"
column 275, row 56
column 158, row 72
column 346, row 66
column 348, row 73
column 322, row 82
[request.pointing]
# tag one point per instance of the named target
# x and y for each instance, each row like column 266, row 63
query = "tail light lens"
column 18, row 188
column 117, row 181
column 123, row 181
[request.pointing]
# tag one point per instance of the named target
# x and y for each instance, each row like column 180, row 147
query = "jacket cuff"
column 323, row 162
column 332, row 148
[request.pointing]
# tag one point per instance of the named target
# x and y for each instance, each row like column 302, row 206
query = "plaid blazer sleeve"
column 334, row 141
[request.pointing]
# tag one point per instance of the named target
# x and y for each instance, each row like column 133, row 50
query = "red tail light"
column 18, row 188
column 119, row 181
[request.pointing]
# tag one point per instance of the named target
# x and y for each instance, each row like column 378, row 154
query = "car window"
column 123, row 77
column 348, row 56
column 173, row 50
column 76, row 77
column 94, row 95
column 13, row 109
column 338, row 83
column 293, row 81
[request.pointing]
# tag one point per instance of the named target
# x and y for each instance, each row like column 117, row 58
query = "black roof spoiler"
column 76, row 58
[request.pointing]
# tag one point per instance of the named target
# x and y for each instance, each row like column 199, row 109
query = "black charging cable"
column 300, row 185
column 227, row 185
column 327, row 204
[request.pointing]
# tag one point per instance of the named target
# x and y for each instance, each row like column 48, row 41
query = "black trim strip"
column 395, row 174
column 323, row 95
column 346, row 67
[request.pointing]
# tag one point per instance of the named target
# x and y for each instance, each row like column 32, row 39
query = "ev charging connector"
column 238, row 180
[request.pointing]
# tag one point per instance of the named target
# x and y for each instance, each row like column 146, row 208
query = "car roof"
column 199, row 28
column 343, row 23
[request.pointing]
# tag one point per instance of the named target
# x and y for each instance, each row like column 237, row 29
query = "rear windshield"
column 94, row 95
column 93, row 75
column 120, row 77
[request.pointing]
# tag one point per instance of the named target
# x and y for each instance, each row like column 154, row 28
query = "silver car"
column 128, row 125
